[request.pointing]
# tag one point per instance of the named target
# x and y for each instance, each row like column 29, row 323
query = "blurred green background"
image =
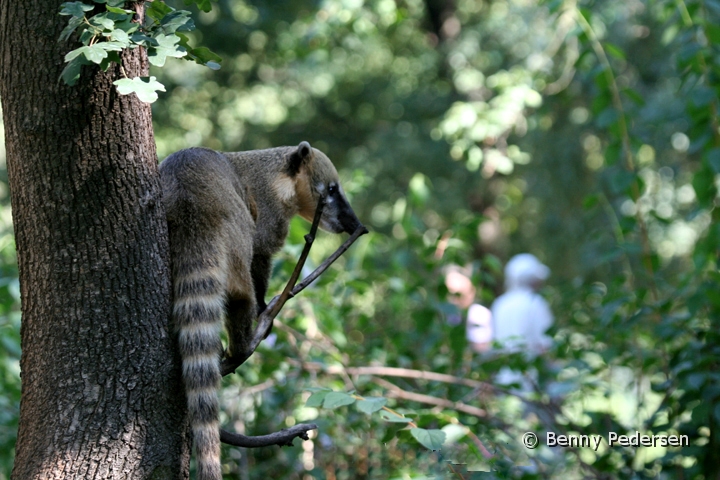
column 465, row 131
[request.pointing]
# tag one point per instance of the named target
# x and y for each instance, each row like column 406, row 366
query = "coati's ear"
column 303, row 153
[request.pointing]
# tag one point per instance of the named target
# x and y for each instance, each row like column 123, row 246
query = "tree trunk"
column 101, row 389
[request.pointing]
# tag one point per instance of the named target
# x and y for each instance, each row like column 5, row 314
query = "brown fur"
column 227, row 215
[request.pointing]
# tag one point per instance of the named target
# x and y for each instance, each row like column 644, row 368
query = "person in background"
column 478, row 324
column 520, row 316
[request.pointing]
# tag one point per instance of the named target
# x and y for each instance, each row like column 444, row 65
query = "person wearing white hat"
column 520, row 315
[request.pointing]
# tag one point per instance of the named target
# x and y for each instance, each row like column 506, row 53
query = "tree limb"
column 283, row 438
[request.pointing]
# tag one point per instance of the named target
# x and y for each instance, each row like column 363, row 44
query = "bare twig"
column 478, row 443
column 361, row 230
column 402, row 372
column 397, row 392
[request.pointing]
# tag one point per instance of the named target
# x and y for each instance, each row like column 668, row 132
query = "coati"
column 227, row 214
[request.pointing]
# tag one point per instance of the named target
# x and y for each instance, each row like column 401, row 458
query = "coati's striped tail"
column 198, row 312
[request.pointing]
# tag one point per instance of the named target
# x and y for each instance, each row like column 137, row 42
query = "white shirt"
column 479, row 324
column 520, row 318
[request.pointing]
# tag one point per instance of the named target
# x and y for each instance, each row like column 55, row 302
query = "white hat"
column 524, row 269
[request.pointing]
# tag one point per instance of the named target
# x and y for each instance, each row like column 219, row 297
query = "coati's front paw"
column 228, row 362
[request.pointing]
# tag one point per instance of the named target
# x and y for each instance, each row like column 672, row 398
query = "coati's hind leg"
column 239, row 323
column 260, row 270
column 241, row 304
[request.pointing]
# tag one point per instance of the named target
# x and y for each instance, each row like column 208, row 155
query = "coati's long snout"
column 319, row 177
column 338, row 216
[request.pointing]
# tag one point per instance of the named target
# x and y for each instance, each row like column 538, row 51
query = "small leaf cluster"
column 105, row 32
column 432, row 439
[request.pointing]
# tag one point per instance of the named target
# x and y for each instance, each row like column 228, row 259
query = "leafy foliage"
column 116, row 29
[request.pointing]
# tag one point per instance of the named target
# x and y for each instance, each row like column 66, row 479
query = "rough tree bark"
column 101, row 388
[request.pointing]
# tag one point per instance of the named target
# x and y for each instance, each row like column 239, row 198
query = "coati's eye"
column 332, row 188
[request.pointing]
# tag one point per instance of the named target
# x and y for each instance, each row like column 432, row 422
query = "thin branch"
column 397, row 392
column 478, row 443
column 361, row 230
column 402, row 372
column 283, row 438
column 260, row 387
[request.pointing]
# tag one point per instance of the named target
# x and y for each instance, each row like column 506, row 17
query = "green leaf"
column 590, row 201
column 74, row 53
column 145, row 88
column 389, row 417
column 112, row 57
column 316, row 399
column 712, row 32
column 200, row 55
column 142, row 39
column 121, row 36
column 612, row 153
column 112, row 3
column 634, row 96
column 119, row 10
column 430, row 439
column 87, row 35
column 111, row 46
column 704, row 184
column 614, row 50
column 371, row 405
column 177, row 20
column 73, row 24
column 620, row 180
column 203, row 5
column 205, row 55
column 167, row 47
column 103, row 21
column 338, row 399
column 126, row 25
column 554, row 5
column 95, row 53
column 157, row 10
column 71, row 72
column 713, row 159
column 76, row 9
column 391, row 431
